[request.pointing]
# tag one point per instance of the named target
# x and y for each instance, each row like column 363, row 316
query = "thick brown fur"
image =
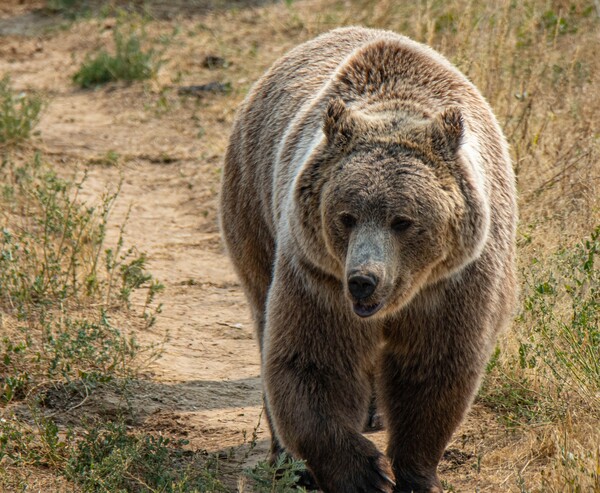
column 368, row 206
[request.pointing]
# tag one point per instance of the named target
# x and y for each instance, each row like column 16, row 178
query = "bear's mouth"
column 364, row 310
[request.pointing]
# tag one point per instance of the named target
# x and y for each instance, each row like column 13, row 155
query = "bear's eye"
column 347, row 220
column 400, row 224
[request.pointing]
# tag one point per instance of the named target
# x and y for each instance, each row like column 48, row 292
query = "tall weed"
column 19, row 113
column 59, row 287
column 53, row 265
column 562, row 310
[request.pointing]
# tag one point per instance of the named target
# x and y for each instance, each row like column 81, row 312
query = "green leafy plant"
column 37, row 444
column 105, row 456
column 563, row 309
column 51, row 247
column 108, row 458
column 59, row 342
column 19, row 113
column 47, row 259
column 280, row 477
column 556, row 361
column 68, row 352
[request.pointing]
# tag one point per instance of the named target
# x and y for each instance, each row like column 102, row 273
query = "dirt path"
column 207, row 384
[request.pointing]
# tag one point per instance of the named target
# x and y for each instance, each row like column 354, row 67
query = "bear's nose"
column 362, row 286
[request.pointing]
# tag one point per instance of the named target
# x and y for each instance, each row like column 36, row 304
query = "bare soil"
column 206, row 385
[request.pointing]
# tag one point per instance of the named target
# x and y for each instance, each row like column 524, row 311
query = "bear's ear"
column 447, row 131
column 338, row 125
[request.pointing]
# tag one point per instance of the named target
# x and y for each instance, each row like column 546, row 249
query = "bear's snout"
column 362, row 286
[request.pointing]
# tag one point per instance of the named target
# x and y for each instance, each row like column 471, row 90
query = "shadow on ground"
column 145, row 397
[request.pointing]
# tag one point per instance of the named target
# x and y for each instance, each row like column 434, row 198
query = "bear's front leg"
column 316, row 355
column 429, row 373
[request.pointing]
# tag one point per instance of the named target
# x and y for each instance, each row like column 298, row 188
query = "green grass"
column 130, row 61
column 19, row 113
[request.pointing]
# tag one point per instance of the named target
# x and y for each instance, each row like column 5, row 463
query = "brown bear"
column 368, row 206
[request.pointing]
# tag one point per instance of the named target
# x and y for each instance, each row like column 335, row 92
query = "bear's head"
column 395, row 201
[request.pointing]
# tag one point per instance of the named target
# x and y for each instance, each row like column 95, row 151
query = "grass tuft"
column 65, row 7
column 130, row 62
column 19, row 113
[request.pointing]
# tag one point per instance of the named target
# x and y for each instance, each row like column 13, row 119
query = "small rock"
column 213, row 61
column 211, row 87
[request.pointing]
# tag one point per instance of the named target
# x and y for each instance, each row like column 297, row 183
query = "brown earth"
column 206, row 386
